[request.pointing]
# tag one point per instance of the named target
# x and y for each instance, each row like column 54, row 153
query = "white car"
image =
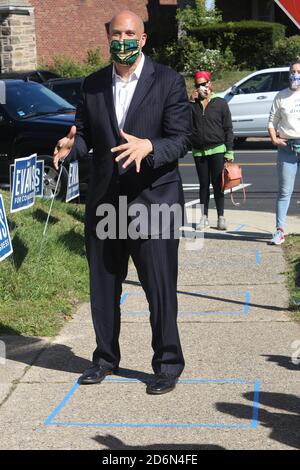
column 251, row 98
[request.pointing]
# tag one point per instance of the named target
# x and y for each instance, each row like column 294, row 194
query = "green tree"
column 189, row 17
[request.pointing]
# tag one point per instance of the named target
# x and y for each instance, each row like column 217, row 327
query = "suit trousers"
column 156, row 262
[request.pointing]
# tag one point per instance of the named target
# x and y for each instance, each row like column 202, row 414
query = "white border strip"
column 287, row 13
column 237, row 188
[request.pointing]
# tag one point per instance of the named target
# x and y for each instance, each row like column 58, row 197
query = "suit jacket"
column 159, row 111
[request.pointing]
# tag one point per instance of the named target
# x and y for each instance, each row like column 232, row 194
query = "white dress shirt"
column 123, row 91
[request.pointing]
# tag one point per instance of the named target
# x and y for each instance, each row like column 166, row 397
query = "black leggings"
column 209, row 170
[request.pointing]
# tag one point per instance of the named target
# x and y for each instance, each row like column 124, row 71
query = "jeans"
column 287, row 168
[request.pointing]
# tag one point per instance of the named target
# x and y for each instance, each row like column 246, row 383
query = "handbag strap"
column 244, row 197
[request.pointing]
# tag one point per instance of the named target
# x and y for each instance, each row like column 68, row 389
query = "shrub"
column 67, row 67
column 285, row 51
column 249, row 41
column 188, row 54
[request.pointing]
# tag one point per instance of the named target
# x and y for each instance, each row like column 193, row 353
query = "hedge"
column 249, row 41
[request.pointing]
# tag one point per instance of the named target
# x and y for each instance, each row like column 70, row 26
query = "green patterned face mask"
column 125, row 52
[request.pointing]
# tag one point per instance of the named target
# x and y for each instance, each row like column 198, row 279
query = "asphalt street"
column 258, row 161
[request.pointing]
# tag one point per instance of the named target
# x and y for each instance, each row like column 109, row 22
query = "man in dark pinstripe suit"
column 135, row 115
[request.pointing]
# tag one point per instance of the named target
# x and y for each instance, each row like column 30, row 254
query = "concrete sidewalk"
column 239, row 390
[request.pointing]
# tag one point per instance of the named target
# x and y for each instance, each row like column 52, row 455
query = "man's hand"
column 136, row 150
column 63, row 147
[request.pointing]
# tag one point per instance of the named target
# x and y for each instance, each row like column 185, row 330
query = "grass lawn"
column 38, row 290
column 220, row 84
column 292, row 255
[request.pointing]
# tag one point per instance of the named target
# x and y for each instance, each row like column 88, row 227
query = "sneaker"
column 278, row 238
column 221, row 223
column 203, row 224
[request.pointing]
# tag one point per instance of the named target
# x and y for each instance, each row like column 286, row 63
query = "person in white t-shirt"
column 284, row 130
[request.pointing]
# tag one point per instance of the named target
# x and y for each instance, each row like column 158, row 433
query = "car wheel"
column 51, row 177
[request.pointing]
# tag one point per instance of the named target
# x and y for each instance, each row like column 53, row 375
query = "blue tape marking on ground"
column 220, row 381
column 257, row 257
column 254, row 423
column 146, row 312
column 239, row 228
column 149, row 425
column 246, row 305
column 197, row 292
column 124, row 297
column 62, row 403
column 245, row 310
column 49, row 421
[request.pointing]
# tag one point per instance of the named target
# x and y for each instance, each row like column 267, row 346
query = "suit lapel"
column 143, row 85
column 109, row 101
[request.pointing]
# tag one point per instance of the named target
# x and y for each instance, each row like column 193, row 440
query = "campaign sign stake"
column 23, row 190
column 6, row 248
column 73, row 182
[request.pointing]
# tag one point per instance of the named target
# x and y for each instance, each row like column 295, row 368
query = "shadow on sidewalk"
column 221, row 299
column 37, row 352
column 285, row 427
column 236, row 236
column 114, row 443
column 283, row 361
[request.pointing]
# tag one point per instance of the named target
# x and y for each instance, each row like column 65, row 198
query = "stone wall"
column 17, row 36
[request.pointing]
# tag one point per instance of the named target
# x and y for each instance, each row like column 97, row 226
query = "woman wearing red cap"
column 212, row 141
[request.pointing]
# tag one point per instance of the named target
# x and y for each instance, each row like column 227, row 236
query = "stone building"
column 17, row 35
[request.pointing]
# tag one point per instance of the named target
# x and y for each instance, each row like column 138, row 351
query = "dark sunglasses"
column 202, row 84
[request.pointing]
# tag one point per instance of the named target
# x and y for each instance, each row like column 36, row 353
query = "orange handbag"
column 231, row 177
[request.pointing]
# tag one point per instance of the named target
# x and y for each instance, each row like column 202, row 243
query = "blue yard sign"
column 23, row 190
column 73, row 182
column 39, row 180
column 6, row 248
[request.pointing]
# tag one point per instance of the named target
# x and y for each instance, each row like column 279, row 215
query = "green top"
column 218, row 149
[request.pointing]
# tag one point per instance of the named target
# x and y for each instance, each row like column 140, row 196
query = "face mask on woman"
column 294, row 79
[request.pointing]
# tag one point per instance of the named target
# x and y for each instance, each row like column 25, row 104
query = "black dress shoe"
column 95, row 375
column 162, row 383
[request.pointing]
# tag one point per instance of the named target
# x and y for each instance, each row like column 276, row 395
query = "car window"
column 25, row 98
column 283, row 81
column 70, row 92
column 261, row 83
column 47, row 75
column 34, row 77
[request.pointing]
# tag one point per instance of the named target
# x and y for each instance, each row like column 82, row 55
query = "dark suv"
column 39, row 76
column 32, row 120
column 67, row 88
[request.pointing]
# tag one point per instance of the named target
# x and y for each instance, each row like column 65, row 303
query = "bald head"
column 127, row 18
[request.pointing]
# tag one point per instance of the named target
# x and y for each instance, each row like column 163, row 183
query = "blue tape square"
column 244, row 311
column 253, row 424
